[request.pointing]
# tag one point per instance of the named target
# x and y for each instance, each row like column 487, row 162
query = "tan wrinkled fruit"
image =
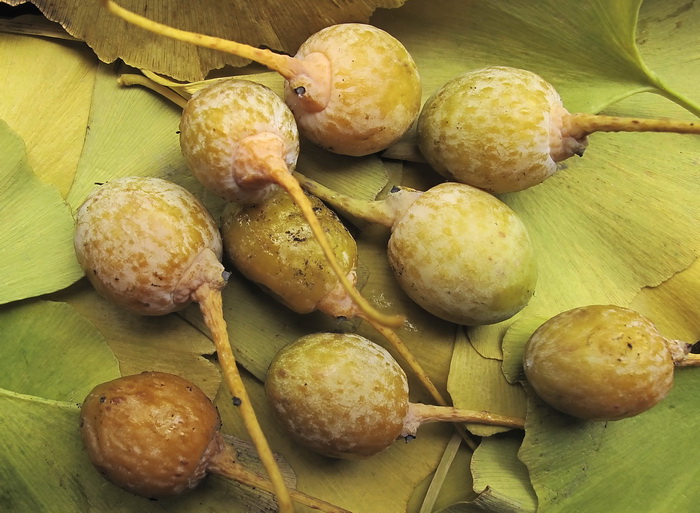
column 599, row 362
column 463, row 255
column 151, row 433
column 147, row 244
column 338, row 394
column 272, row 244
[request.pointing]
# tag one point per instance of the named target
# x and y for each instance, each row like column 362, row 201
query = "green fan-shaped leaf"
column 62, row 357
column 477, row 383
column 52, row 122
column 142, row 343
column 628, row 465
column 36, row 228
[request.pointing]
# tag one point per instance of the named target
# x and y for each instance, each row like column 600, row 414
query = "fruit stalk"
column 210, row 303
column 419, row 413
column 379, row 211
column 580, row 125
column 224, row 463
column 286, row 66
column 131, row 79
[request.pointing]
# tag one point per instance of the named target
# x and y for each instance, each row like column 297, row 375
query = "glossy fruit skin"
column 599, row 362
column 151, row 433
column 375, row 90
column 340, row 395
column 498, row 128
column 463, row 255
column 137, row 238
column 218, row 119
column 271, row 243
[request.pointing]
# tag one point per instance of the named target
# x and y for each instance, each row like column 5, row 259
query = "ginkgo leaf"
column 48, row 82
column 36, row 228
column 281, row 26
column 477, row 383
column 164, row 343
column 42, row 362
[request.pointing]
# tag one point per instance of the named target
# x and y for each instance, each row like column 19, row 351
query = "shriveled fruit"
column 354, row 88
column 271, row 243
column 156, row 434
column 457, row 251
column 343, row 396
column 151, row 433
column 600, row 362
column 505, row 129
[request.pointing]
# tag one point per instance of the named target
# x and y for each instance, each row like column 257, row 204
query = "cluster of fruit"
column 455, row 249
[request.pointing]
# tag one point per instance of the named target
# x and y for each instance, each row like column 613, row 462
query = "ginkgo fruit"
column 602, row 362
column 344, row 396
column 457, row 251
column 505, row 129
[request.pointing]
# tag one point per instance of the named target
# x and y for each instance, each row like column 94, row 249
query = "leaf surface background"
column 619, row 225
column 36, row 228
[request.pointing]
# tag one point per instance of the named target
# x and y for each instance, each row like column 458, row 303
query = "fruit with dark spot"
column 602, row 362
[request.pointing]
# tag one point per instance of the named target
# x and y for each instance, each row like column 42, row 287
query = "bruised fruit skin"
column 151, row 433
column 367, row 99
column 599, row 362
column 463, row 255
column 500, row 129
column 338, row 394
column 147, row 244
column 229, row 129
column 271, row 243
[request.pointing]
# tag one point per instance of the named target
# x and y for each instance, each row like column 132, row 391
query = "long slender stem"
column 291, row 185
column 224, row 463
column 689, row 360
column 589, row 123
column 210, row 303
column 286, row 66
column 373, row 211
column 130, row 79
column 419, row 413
